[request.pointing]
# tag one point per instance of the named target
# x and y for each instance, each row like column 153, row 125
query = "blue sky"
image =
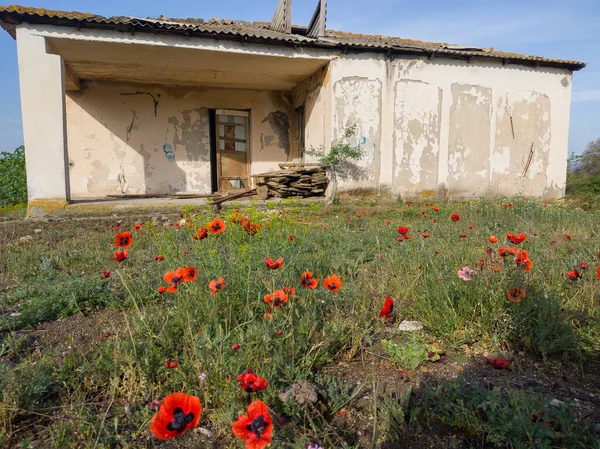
column 550, row 28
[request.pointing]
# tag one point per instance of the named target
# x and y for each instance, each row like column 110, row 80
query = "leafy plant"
column 13, row 179
column 410, row 353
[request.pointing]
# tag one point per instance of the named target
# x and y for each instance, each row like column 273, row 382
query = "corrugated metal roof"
column 260, row 32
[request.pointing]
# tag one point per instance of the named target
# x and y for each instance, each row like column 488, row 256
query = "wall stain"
column 145, row 93
column 168, row 149
column 280, row 123
column 192, row 133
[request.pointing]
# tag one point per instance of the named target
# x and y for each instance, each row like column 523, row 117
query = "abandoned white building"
column 127, row 105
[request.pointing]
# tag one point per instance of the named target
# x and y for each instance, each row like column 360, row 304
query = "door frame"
column 215, row 166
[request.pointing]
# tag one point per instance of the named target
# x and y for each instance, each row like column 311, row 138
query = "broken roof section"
column 261, row 32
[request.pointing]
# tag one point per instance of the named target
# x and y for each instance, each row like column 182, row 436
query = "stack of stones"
column 295, row 180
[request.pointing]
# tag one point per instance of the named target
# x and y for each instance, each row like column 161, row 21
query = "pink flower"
column 465, row 273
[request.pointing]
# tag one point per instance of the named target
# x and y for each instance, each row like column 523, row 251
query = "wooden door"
column 233, row 149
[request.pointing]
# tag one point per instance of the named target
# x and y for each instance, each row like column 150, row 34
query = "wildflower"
column 455, row 217
column 216, row 286
column 536, row 418
column 178, row 413
column 402, row 230
column 516, row 239
column 268, row 314
column 202, row 376
column 123, row 239
column 388, row 307
column 292, row 238
column 159, row 258
column 567, row 236
column 499, row 363
column 470, row 226
column 342, row 412
column 278, row 332
column 256, row 427
column 278, row 298
column 516, row 294
column 316, row 446
column 170, row 364
column 162, row 289
column 332, row 283
column 188, row 273
column 493, row 239
column 425, row 235
column 120, row 255
column 117, row 228
column 291, row 291
column 105, row 274
column 388, row 221
column 201, row 234
column 435, row 209
column 522, row 260
column 463, row 235
column 137, row 227
column 480, row 264
column 251, row 382
column 505, row 252
column 217, row 226
column 307, row 280
column 583, row 265
column 573, row 275
column 273, row 264
column 359, row 215
column 465, row 273
column 235, row 347
column 598, row 275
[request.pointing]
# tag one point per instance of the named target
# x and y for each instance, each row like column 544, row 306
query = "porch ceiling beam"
column 71, row 79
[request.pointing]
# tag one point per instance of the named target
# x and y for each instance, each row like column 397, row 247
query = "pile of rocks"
column 295, row 180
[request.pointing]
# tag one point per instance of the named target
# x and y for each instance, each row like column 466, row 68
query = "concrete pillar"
column 44, row 123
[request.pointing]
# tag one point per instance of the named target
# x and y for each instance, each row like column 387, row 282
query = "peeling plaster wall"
column 155, row 139
column 443, row 128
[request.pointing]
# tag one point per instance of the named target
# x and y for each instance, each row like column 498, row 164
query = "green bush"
column 13, row 179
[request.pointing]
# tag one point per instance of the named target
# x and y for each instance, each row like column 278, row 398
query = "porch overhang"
column 179, row 66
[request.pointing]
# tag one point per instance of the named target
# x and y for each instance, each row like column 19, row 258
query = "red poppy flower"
column 256, row 427
column 178, row 413
column 120, row 255
column 173, row 278
column 425, row 235
column 278, row 298
column 388, row 221
column 292, row 238
column 332, row 283
column 307, row 280
column 162, row 289
column 463, row 235
column 402, row 230
column 170, row 364
column 359, row 215
column 435, row 209
column 342, row 412
column 499, row 363
column 480, row 264
column 216, row 286
column 278, row 332
column 117, row 228
column 273, row 264
column 567, row 236
column 493, row 239
column 516, row 239
column 505, row 252
column 455, row 217
column 159, row 258
column 470, row 227
column 516, row 294
column 217, row 226
column 235, row 347
column 537, row 419
column 123, row 239
column 201, row 234
column 388, row 307
column 105, row 274
column 522, row 260
column 573, row 275
column 290, row 291
column 583, row 265
column 251, row 382
column 188, row 273
column 598, row 275
column 137, row 227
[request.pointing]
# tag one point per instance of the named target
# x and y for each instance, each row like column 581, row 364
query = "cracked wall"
column 128, row 139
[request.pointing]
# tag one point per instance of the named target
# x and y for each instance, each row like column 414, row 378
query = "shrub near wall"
column 13, row 179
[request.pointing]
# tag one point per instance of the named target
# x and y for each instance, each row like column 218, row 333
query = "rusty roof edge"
column 10, row 16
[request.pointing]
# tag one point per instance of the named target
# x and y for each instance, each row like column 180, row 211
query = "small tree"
column 13, row 179
column 589, row 161
column 340, row 156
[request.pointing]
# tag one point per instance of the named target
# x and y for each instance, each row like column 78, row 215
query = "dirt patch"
column 80, row 333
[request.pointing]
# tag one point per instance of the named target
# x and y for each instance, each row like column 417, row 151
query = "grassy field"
column 508, row 356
